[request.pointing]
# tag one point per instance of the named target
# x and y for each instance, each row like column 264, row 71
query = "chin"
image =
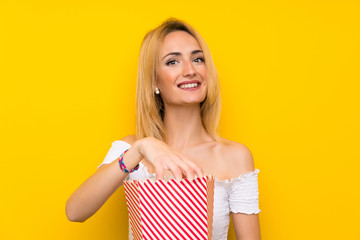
column 194, row 101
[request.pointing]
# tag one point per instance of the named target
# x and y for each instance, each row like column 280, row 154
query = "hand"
column 162, row 157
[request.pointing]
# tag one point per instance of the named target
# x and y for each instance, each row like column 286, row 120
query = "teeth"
column 189, row 85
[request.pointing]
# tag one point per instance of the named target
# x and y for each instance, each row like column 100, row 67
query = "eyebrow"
column 178, row 53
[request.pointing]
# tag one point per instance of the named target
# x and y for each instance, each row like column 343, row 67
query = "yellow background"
column 289, row 75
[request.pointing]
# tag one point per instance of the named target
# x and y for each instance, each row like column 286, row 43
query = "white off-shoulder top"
column 239, row 195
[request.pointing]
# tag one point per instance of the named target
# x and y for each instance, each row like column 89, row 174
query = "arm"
column 94, row 192
column 247, row 227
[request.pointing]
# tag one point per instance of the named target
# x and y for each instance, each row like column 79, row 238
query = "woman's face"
column 181, row 73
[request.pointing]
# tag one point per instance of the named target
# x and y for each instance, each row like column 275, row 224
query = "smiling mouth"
column 189, row 85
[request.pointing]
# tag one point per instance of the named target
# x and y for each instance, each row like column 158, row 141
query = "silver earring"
column 157, row 91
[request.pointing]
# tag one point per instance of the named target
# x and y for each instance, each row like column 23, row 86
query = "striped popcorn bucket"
column 160, row 209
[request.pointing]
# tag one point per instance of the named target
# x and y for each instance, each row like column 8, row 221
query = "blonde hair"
column 150, row 106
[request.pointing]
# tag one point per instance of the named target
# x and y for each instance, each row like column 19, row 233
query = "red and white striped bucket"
column 160, row 209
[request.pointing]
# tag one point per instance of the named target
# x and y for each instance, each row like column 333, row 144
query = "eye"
column 199, row 59
column 171, row 62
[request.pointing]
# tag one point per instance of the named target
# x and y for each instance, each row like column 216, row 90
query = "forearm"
column 94, row 192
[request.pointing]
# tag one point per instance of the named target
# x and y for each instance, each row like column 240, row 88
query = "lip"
column 189, row 82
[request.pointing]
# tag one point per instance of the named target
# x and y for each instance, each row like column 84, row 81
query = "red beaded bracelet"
column 122, row 165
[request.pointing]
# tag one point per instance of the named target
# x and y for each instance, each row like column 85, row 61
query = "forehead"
column 179, row 41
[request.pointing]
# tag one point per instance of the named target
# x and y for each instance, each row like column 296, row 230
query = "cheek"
column 205, row 79
column 166, row 77
column 203, row 73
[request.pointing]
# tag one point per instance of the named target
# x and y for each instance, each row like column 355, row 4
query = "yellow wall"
column 289, row 76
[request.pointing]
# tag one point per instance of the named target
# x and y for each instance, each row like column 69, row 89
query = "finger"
column 159, row 173
column 187, row 169
column 176, row 171
column 198, row 170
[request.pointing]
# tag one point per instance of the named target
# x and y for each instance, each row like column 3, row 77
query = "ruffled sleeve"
column 244, row 193
column 115, row 151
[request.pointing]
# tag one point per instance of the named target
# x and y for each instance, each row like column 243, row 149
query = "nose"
column 188, row 69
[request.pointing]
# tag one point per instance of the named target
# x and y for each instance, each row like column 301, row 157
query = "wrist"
column 122, row 165
column 131, row 159
column 139, row 146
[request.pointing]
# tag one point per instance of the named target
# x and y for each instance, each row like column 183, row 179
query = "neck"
column 184, row 127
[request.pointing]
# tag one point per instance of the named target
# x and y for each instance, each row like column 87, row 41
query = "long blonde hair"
column 150, row 106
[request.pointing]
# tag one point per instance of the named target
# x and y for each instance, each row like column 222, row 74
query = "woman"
column 178, row 109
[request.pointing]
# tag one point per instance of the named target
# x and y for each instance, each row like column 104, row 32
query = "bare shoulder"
column 237, row 157
column 130, row 139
